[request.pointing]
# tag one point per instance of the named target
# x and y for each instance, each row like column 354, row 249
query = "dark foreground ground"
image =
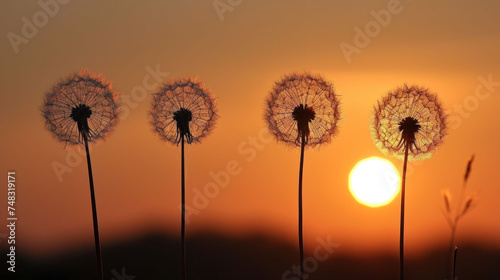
column 156, row 256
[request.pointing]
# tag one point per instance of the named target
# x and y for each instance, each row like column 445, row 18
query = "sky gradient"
column 450, row 47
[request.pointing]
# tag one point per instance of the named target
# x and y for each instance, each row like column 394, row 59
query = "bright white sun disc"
column 374, row 182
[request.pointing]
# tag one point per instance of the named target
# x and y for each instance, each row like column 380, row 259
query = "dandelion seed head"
column 303, row 105
column 409, row 115
column 183, row 108
column 82, row 103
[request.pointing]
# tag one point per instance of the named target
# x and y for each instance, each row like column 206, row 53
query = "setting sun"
column 374, row 182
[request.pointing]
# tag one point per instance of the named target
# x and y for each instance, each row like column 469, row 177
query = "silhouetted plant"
column 78, row 110
column 302, row 110
column 408, row 123
column 453, row 216
column 183, row 110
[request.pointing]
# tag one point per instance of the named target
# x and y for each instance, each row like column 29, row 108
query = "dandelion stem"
column 94, row 211
column 183, row 210
column 301, row 242
column 402, row 223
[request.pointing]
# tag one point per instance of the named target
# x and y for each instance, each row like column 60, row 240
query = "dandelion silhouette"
column 453, row 216
column 78, row 110
column 183, row 111
column 302, row 110
column 303, row 105
column 409, row 124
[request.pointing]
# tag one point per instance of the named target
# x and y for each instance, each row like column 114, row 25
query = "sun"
column 374, row 182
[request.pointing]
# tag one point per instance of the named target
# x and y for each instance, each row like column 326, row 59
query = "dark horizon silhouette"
column 257, row 257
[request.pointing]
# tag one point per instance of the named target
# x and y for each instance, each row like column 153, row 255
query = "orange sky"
column 448, row 46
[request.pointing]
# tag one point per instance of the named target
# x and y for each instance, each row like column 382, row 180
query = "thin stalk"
column 183, row 210
column 402, row 223
column 454, row 275
column 94, row 212
column 449, row 263
column 301, row 241
column 450, row 267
